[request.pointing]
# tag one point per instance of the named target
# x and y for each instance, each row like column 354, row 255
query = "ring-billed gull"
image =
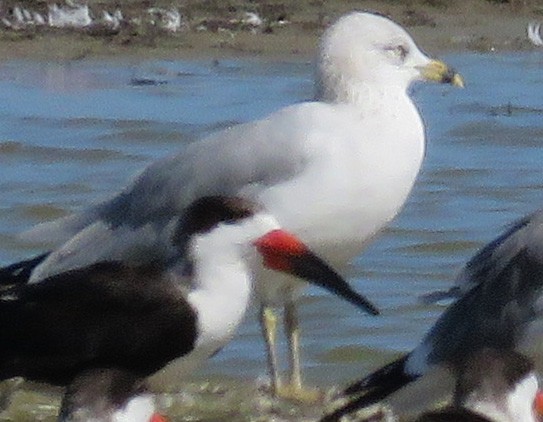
column 103, row 328
column 500, row 308
column 334, row 171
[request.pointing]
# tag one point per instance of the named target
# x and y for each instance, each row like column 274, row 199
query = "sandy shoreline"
column 469, row 25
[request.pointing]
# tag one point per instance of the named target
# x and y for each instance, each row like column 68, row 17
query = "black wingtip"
column 375, row 387
column 352, row 406
column 391, row 374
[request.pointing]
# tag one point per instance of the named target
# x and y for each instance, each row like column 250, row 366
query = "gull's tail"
column 374, row 388
column 19, row 272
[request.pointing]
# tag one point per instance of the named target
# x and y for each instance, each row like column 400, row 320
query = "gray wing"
column 241, row 160
column 506, row 279
column 137, row 224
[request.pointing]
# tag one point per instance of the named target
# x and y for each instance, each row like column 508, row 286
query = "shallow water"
column 72, row 133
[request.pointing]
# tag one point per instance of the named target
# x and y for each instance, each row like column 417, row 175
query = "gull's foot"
column 299, row 394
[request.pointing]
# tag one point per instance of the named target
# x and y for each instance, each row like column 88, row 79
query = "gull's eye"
column 400, row 51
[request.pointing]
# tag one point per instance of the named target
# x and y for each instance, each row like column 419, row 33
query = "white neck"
column 222, row 296
column 335, row 88
column 517, row 407
column 521, row 401
column 138, row 409
column 489, row 409
column 223, row 276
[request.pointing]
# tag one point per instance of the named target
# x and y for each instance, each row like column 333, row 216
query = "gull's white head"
column 365, row 52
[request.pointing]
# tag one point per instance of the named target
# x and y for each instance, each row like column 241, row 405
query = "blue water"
column 72, row 133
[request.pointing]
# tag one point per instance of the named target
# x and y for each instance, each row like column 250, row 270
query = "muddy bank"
column 289, row 28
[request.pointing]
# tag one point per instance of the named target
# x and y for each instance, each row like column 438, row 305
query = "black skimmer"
column 104, row 328
column 499, row 296
column 492, row 386
column 333, row 171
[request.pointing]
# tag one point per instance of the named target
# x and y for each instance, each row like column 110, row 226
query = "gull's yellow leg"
column 268, row 325
column 292, row 330
column 295, row 389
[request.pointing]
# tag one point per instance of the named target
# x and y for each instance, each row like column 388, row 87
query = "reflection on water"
column 75, row 132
